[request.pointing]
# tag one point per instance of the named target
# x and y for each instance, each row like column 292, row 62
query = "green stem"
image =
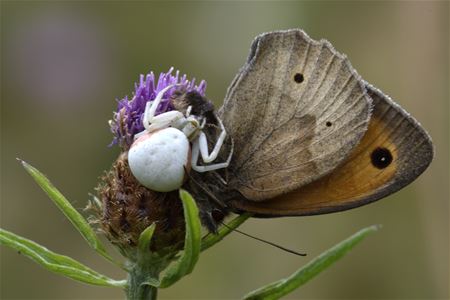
column 153, row 293
column 138, row 287
column 141, row 292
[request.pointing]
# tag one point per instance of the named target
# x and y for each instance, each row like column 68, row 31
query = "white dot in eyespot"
column 158, row 159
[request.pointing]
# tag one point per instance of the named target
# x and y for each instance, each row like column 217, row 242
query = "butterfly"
column 309, row 136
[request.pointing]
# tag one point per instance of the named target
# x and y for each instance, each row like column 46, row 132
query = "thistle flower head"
column 127, row 120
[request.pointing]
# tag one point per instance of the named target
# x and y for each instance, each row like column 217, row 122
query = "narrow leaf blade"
column 211, row 239
column 57, row 263
column 145, row 238
column 284, row 286
column 192, row 243
column 68, row 210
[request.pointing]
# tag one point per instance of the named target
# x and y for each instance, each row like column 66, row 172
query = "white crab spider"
column 161, row 154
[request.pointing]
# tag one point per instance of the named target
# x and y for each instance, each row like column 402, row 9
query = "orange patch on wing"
column 347, row 186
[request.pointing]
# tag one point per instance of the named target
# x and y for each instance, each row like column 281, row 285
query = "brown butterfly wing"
column 295, row 111
column 365, row 177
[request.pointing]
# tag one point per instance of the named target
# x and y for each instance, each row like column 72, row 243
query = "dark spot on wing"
column 381, row 158
column 298, row 77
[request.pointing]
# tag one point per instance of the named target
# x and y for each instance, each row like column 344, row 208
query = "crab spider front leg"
column 188, row 111
column 151, row 122
column 165, row 120
column 151, row 107
column 203, row 144
column 201, row 169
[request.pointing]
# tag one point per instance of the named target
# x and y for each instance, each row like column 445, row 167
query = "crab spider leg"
column 203, row 143
column 164, row 120
column 145, row 119
column 155, row 103
column 195, row 154
column 152, row 122
column 150, row 107
column 189, row 127
column 188, row 111
column 203, row 123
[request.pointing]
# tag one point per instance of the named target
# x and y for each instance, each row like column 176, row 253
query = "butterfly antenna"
column 266, row 242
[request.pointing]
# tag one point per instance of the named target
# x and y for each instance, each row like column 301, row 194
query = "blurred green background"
column 63, row 64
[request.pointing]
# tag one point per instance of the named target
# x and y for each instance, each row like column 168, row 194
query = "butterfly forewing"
column 295, row 111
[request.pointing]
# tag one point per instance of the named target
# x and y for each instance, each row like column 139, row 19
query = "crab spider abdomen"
column 159, row 159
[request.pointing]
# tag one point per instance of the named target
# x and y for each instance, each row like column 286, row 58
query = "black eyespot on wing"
column 298, row 77
column 381, row 158
column 328, row 124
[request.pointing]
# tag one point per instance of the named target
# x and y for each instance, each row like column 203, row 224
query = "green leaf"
column 211, row 239
column 56, row 263
column 145, row 238
column 192, row 243
column 284, row 286
column 69, row 211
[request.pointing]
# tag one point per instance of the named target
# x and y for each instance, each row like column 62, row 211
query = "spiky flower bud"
column 128, row 208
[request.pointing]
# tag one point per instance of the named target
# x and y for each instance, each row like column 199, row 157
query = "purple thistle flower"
column 127, row 120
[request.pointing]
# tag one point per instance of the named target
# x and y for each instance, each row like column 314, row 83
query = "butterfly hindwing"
column 393, row 152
